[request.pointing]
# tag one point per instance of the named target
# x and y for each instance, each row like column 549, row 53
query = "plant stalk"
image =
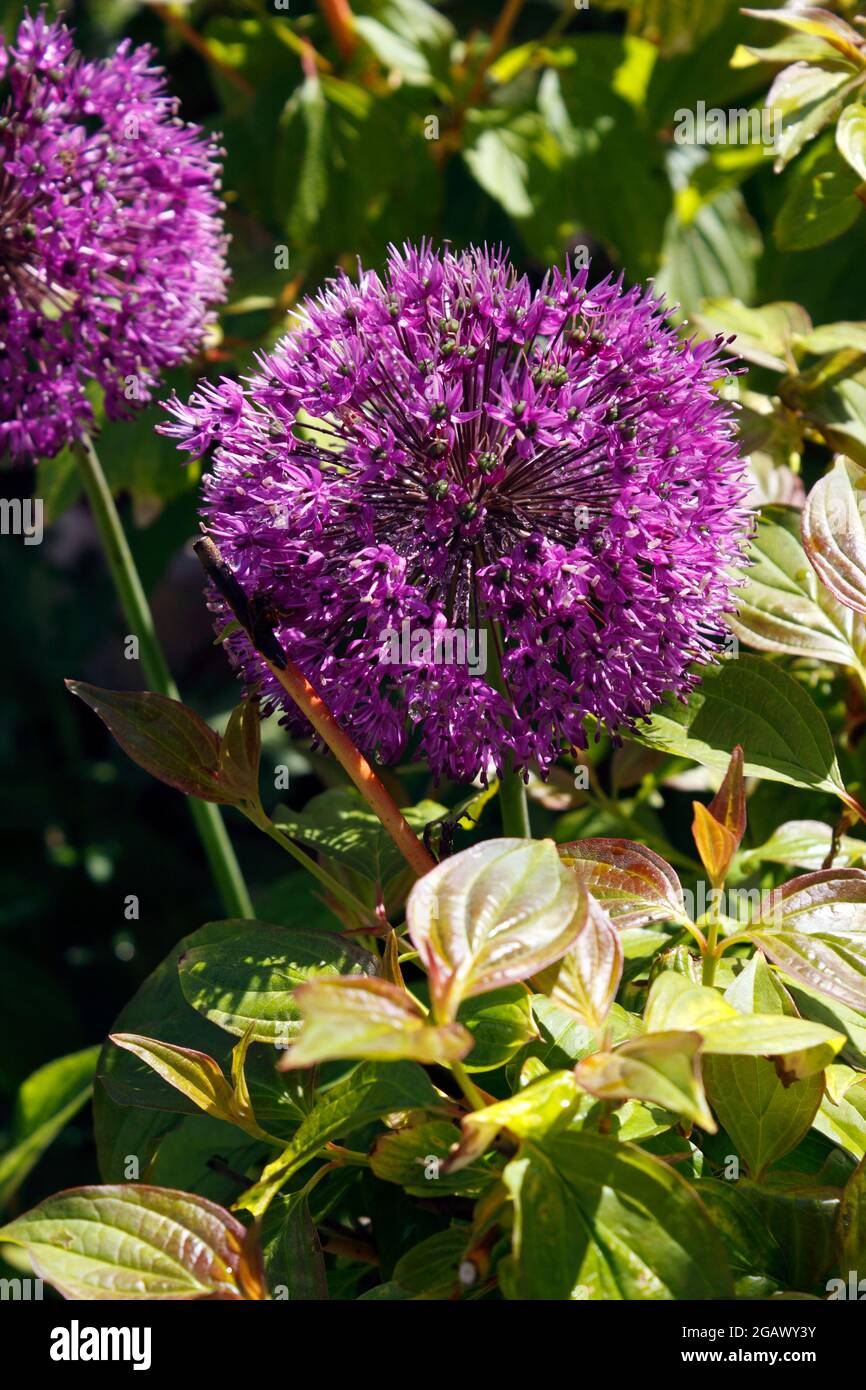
column 133, row 600
column 513, row 806
column 313, row 707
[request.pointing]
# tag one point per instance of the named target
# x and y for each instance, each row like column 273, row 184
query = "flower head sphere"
column 111, row 245
column 443, row 451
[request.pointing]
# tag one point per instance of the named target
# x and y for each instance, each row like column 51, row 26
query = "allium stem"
column 373, row 790
column 314, row 709
column 130, row 591
column 513, row 805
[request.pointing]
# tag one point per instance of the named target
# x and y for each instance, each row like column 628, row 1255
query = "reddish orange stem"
column 341, row 22
column 311, row 704
column 378, row 798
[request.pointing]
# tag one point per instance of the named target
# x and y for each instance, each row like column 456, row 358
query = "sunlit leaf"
column 598, row 1219
column 133, row 1242
column 662, row 1069
column 834, row 532
column 586, row 979
column 632, row 883
column 764, row 1118
column 814, row 929
column 248, row 977
column 492, row 915
column 783, row 608
column 197, row 1076
column 352, row 1016
column 753, row 703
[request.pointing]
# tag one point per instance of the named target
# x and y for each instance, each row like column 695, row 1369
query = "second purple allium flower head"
column 111, row 243
column 443, row 451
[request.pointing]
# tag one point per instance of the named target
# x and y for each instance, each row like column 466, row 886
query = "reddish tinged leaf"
column 493, row 915
column 660, row 1068
column 716, row 845
column 834, row 532
column 632, row 883
column 814, row 928
column 168, row 740
column 586, row 980
column 830, row 900
column 240, row 751
column 350, row 1016
column 132, row 1241
column 728, row 806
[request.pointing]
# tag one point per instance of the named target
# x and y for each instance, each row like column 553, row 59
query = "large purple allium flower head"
column 442, row 452
column 111, row 243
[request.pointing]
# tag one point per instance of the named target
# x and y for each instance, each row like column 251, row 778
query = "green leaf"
column 757, row 990
column 834, row 532
column 783, row 608
column 675, row 26
column 830, row 398
column 598, row 1219
column 430, row 1269
column 632, row 883
column 803, row 844
column 813, row 929
column 803, row 1048
column 662, row 1069
column 410, row 37
column 545, row 1105
column 292, row 1252
column 586, row 980
column 844, row 1121
column 45, row 1103
column 708, row 252
column 493, row 915
column 851, row 1227
column 415, row 1159
column 133, row 1107
column 500, row 1024
column 835, row 337
column 351, row 1016
column 751, row 1248
column 674, row 1002
column 195, row 1075
column 764, row 336
column 851, row 137
column 820, row 24
column 820, row 203
column 565, row 1041
column 801, row 1220
column 849, row 1021
column 239, row 756
column 576, row 162
column 749, row 701
column 371, row 1091
column 807, row 98
column 339, row 823
column 168, row 740
column 247, row 976
column 133, row 1242
column 764, row 1118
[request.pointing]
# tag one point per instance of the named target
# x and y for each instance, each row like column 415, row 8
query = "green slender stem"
column 513, row 805
column 468, row 1087
column 512, row 788
column 307, row 862
column 206, row 815
column 712, row 953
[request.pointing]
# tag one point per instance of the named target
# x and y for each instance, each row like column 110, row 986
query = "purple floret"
column 111, row 242
column 445, row 446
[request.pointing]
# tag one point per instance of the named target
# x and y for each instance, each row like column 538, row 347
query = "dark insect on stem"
column 256, row 614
